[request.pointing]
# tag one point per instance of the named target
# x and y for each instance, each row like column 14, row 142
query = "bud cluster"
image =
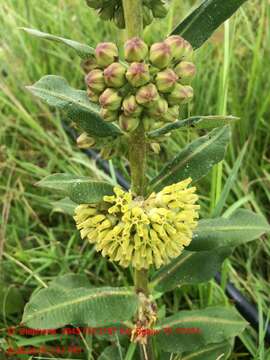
column 151, row 86
column 113, row 10
column 141, row 232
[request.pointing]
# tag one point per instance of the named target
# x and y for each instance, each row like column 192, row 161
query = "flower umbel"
column 141, row 232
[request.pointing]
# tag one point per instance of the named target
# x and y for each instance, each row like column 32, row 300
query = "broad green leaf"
column 187, row 269
column 213, row 325
column 210, row 352
column 60, row 181
column 54, row 307
column 199, row 122
column 195, row 160
column 84, row 51
column 65, row 206
column 229, row 183
column 89, row 192
column 203, row 21
column 55, row 91
column 241, row 227
column 112, row 353
column 70, row 281
column 11, row 300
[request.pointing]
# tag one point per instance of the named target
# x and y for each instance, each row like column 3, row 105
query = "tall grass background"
column 37, row 243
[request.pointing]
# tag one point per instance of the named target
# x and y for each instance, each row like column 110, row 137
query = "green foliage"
column 215, row 324
column 204, row 20
column 112, row 353
column 56, row 92
column 54, row 307
column 210, row 352
column 195, row 160
column 70, row 281
column 81, row 190
column 84, row 51
column 188, row 269
column 242, row 227
column 198, row 122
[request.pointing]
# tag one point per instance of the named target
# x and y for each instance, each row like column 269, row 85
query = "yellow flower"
column 141, row 232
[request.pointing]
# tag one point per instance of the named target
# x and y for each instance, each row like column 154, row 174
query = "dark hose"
column 248, row 310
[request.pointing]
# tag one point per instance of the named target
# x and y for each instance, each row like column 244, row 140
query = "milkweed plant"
column 132, row 103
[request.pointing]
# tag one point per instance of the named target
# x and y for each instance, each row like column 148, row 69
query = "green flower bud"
column 180, row 48
column 172, row 114
column 186, row 71
column 165, row 80
column 106, row 53
column 128, row 123
column 92, row 96
column 155, row 147
column 159, row 10
column 159, row 108
column 157, row 125
column 84, row 141
column 114, row 75
column 147, row 123
column 160, row 55
column 138, row 74
column 110, row 99
column 95, row 81
column 131, row 107
column 109, row 115
column 147, row 94
column 180, row 95
column 147, row 16
column 136, row 50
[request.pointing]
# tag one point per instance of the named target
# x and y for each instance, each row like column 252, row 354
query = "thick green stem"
column 137, row 153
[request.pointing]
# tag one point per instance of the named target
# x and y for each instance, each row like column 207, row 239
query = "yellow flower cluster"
column 141, row 232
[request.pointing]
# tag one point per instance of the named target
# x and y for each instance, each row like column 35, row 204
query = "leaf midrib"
column 77, row 301
column 230, row 228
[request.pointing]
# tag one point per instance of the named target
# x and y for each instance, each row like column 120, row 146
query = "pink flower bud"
column 114, row 75
column 95, row 81
column 136, row 50
column 138, row 74
column 186, row 71
column 131, row 107
column 110, row 99
column 147, row 94
column 106, row 53
column 165, row 80
column 159, row 108
column 128, row 123
column 181, row 94
column 160, row 55
column 172, row 114
column 181, row 49
column 109, row 115
column 92, row 96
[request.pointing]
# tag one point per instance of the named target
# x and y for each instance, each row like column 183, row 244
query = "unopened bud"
column 147, row 123
column 172, row 114
column 89, row 64
column 92, row 96
column 155, row 147
column 138, row 74
column 106, row 53
column 186, row 71
column 110, row 99
column 128, row 123
column 95, row 81
column 165, row 80
column 147, row 94
column 136, row 50
column 159, row 10
column 181, row 49
column 109, row 115
column 159, row 108
column 114, row 75
column 181, row 94
column 160, row 55
column 84, row 141
column 131, row 107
